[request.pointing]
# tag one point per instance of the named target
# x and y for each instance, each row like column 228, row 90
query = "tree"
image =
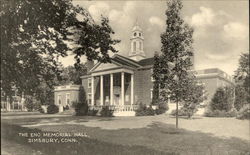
column 176, row 49
column 73, row 75
column 241, row 77
column 156, row 75
column 222, row 99
column 193, row 97
column 35, row 33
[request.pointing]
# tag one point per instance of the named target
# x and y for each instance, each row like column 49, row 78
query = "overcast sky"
column 221, row 30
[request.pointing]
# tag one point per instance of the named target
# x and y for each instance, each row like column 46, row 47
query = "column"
column 111, row 89
column 92, row 91
column 122, row 87
column 101, row 90
column 132, row 89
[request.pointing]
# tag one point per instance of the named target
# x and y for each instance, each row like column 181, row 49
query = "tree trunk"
column 177, row 115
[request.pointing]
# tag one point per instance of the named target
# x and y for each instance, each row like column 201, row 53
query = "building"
column 127, row 81
column 212, row 79
column 66, row 95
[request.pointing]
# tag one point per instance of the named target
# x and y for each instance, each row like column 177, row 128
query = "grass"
column 152, row 138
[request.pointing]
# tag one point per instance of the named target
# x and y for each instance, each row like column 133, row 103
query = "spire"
column 137, row 52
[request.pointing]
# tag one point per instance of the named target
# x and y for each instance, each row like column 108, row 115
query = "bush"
column 52, row 109
column 81, row 108
column 162, row 108
column 222, row 99
column 220, row 113
column 92, row 112
column 244, row 112
column 106, row 112
column 181, row 112
column 40, row 109
column 66, row 108
column 143, row 110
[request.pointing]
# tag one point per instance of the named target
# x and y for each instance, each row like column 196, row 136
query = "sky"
column 221, row 28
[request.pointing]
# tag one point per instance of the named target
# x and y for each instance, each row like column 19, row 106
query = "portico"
column 112, row 87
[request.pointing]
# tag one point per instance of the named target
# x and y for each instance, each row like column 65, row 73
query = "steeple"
column 136, row 52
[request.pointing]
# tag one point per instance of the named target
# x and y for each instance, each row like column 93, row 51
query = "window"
column 89, row 98
column 68, row 99
column 139, row 34
column 134, row 46
column 89, row 82
column 151, row 93
column 59, row 100
column 135, row 34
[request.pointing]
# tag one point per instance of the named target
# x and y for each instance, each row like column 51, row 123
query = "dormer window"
column 135, row 34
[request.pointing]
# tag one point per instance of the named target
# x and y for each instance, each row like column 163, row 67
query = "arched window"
column 135, row 34
column 139, row 34
column 134, row 46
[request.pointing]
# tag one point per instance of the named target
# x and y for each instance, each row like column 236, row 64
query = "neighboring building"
column 66, row 95
column 212, row 79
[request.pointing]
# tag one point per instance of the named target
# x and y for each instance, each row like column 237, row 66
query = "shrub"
column 106, row 112
column 66, row 108
column 81, row 108
column 143, row 110
column 162, row 108
column 244, row 112
column 40, row 109
column 222, row 99
column 92, row 112
column 181, row 112
column 220, row 113
column 52, row 109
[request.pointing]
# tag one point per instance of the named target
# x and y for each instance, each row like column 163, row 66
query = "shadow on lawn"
column 84, row 146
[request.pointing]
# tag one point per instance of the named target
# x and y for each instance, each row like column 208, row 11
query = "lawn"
column 131, row 135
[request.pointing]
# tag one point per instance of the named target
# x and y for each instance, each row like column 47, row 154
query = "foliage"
column 220, row 113
column 241, row 77
column 242, row 73
column 66, row 107
column 73, row 75
column 92, row 112
column 181, row 112
column 143, row 110
column 162, row 108
column 155, row 75
column 241, row 97
column 52, row 109
column 193, row 97
column 106, row 112
column 244, row 112
column 222, row 99
column 34, row 34
column 81, row 107
column 29, row 103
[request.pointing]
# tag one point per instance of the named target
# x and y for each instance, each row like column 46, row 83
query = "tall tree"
column 35, row 33
column 177, row 50
column 156, row 76
column 241, row 77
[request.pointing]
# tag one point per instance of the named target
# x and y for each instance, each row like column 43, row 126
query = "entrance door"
column 116, row 99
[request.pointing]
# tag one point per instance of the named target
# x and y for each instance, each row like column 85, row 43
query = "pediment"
column 105, row 66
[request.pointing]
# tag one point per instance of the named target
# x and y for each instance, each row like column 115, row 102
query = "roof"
column 146, row 62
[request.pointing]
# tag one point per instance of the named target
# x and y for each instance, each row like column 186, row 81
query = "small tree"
column 193, row 97
column 81, row 107
column 156, row 77
column 222, row 99
column 176, row 49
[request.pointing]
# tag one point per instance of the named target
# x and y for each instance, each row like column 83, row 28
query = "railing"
column 116, row 108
